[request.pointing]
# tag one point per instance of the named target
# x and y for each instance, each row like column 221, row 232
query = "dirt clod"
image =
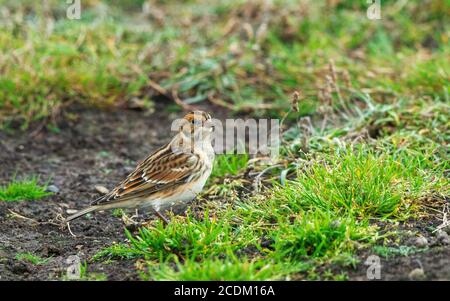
column 417, row 274
column 421, row 242
column 442, row 237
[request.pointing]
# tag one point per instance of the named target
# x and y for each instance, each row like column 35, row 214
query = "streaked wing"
column 161, row 170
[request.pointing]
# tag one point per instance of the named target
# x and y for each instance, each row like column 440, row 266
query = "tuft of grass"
column 359, row 183
column 388, row 252
column 117, row 250
column 214, row 269
column 118, row 213
column 184, row 237
column 317, row 234
column 34, row 259
column 27, row 189
column 86, row 276
column 229, row 165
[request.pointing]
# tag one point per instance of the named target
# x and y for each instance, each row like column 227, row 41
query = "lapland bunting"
column 174, row 173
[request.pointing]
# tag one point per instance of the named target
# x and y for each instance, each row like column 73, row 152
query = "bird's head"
column 194, row 131
column 197, row 118
column 196, row 122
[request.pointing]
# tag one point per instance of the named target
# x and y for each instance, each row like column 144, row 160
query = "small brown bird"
column 174, row 173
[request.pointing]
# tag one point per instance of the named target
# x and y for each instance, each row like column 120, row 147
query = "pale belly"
column 184, row 196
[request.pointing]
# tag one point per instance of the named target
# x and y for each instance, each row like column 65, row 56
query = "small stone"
column 441, row 235
column 101, row 189
column 71, row 211
column 52, row 188
column 417, row 274
column 421, row 242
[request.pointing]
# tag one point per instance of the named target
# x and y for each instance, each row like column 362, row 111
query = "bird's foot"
column 130, row 220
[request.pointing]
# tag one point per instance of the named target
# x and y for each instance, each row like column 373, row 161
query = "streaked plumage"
column 176, row 172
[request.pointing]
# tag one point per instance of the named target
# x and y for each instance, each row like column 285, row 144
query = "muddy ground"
column 100, row 148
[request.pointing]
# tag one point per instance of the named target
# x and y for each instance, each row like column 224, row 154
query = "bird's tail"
column 81, row 213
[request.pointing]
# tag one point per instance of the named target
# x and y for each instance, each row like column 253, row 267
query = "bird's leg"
column 164, row 219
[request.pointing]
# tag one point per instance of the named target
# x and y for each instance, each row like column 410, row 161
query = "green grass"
column 214, row 269
column 86, row 276
column 27, row 189
column 188, row 237
column 326, row 210
column 34, row 259
column 316, row 235
column 323, row 216
column 360, row 183
column 229, row 165
column 389, row 252
column 100, row 61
